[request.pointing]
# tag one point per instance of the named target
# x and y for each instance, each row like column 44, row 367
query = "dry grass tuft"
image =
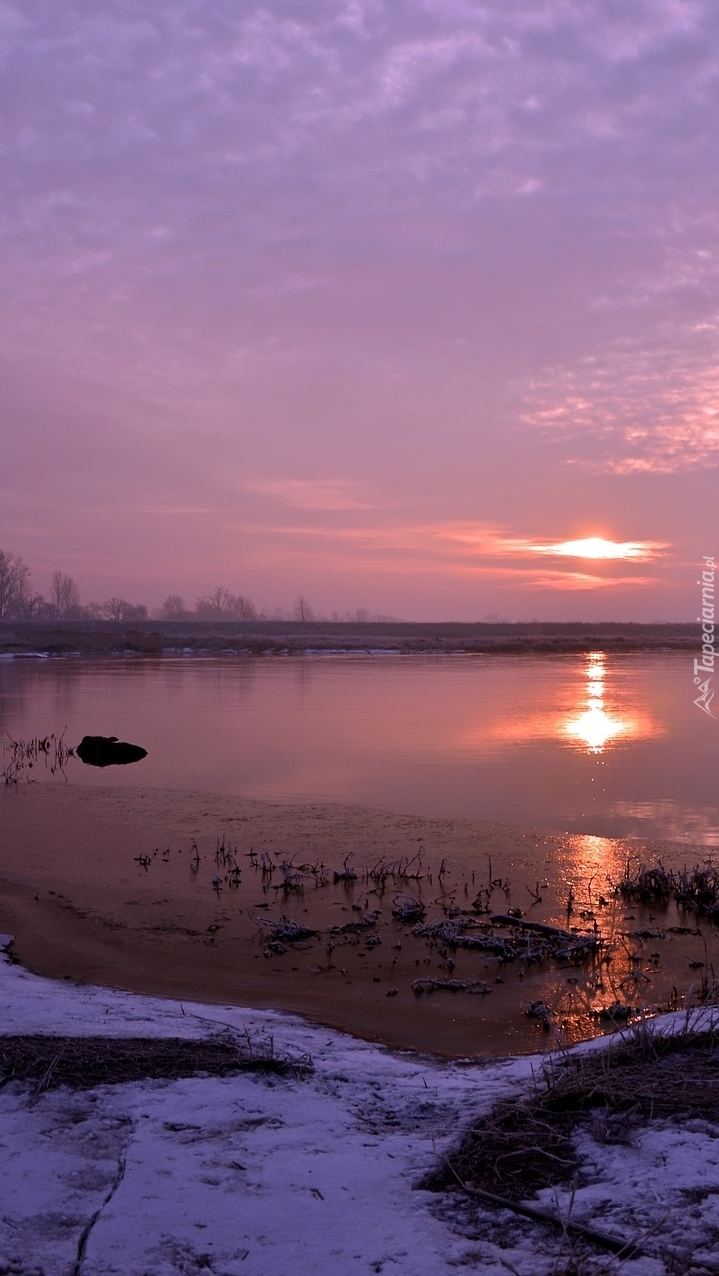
column 526, row 1143
column 47, row 1062
column 695, row 889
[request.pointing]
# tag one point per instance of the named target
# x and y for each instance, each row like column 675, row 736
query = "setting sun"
column 598, row 547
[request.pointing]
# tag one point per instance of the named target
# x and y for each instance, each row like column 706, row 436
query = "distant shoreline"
column 278, row 637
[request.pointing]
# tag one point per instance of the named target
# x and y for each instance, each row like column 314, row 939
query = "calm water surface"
column 610, row 745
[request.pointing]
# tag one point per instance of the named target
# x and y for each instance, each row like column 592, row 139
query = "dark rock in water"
column 107, row 750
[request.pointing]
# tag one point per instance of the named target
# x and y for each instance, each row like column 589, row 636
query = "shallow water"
column 179, row 894
column 606, row 745
column 99, row 881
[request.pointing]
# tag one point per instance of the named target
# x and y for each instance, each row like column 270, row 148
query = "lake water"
column 608, row 745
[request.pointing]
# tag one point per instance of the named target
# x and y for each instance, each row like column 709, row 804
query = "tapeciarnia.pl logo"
column 704, row 668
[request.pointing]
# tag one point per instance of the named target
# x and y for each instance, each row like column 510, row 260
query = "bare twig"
column 614, row 1244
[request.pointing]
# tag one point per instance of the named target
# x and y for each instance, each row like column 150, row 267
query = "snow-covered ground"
column 259, row 1175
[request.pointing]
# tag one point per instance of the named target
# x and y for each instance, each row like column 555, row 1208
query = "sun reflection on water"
column 594, row 861
column 602, row 713
column 595, row 728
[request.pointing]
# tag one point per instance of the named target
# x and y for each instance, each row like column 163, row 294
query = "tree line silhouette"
column 18, row 601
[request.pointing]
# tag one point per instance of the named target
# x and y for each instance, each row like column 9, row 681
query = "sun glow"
column 598, row 547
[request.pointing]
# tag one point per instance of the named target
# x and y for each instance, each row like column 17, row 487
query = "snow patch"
column 296, row 1175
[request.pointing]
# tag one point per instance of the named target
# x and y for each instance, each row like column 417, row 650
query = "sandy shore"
column 103, row 886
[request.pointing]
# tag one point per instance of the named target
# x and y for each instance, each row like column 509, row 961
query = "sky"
column 378, row 303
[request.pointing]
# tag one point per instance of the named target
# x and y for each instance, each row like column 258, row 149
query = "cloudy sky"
column 379, row 301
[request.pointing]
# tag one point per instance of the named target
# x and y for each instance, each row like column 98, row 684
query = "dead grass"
column 47, row 1062
column 526, row 1143
column 695, row 889
column 24, row 756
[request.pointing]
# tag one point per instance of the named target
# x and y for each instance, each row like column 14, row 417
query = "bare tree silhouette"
column 121, row 609
column 14, row 585
column 64, row 596
column 303, row 609
column 222, row 605
column 173, row 608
